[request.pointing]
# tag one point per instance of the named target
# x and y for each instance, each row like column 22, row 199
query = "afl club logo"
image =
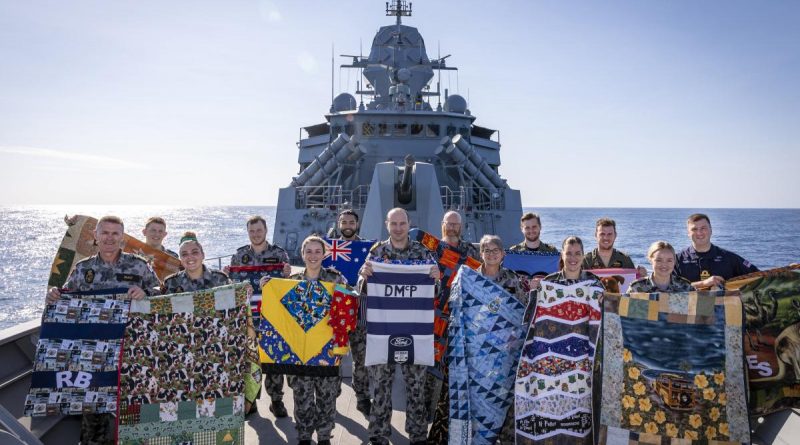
column 401, row 342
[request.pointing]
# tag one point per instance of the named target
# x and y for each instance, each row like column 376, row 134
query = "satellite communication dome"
column 455, row 104
column 344, row 102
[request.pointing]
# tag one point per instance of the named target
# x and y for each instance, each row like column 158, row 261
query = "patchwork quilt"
column 76, row 367
column 554, row 377
column 771, row 301
column 346, row 256
column 183, row 372
column 400, row 314
column 297, row 326
column 673, row 369
column 486, row 333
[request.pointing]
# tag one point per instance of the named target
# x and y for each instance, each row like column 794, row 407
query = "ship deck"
column 351, row 425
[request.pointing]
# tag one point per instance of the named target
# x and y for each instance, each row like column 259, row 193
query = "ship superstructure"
column 392, row 148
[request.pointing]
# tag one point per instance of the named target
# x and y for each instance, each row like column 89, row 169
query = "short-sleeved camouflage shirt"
column 543, row 247
column 246, row 256
column 328, row 274
column 646, row 284
column 592, row 260
column 560, row 278
column 182, row 282
column 128, row 270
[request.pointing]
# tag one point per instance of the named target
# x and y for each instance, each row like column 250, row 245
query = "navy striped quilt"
column 400, row 314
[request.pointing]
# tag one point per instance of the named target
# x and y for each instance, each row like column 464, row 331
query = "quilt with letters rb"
column 76, row 367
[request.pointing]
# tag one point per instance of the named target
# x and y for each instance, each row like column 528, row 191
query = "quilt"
column 76, row 366
column 532, row 263
column 346, row 256
column 771, row 301
column 673, row 369
column 554, row 378
column 400, row 314
column 297, row 333
column 183, row 370
column 486, row 334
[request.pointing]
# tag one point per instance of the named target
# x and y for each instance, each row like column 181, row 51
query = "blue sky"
column 618, row 104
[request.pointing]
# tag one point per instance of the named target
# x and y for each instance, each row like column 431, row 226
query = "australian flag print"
column 346, row 256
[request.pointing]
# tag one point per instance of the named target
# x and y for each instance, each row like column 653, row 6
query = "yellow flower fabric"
column 689, row 434
column 628, row 402
column 695, row 420
column 660, row 417
column 701, row 381
column 723, row 429
column 626, row 356
column 719, row 378
column 635, row 419
column 711, row 432
column 709, row 394
column 639, row 388
column 634, row 373
column 645, row 405
column 672, row 430
column 714, row 414
column 651, row 428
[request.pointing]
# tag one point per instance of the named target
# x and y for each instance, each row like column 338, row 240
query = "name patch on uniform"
column 129, row 277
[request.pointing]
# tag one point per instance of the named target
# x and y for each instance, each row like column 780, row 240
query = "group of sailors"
column 702, row 265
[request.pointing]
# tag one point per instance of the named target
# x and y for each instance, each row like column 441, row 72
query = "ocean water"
column 29, row 237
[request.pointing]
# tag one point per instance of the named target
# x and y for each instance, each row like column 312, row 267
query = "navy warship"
column 395, row 148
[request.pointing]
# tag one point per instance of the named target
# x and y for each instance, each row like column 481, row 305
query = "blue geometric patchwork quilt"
column 486, row 332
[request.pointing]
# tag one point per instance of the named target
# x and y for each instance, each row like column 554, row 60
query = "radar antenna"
column 398, row 8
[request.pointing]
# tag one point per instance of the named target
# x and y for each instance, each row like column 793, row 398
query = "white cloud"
column 85, row 160
column 307, row 62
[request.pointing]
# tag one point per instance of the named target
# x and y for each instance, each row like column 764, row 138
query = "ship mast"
column 398, row 8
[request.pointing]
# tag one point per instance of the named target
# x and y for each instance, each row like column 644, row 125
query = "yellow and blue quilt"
column 296, row 336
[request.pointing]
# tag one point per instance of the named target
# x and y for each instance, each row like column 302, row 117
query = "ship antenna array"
column 398, row 8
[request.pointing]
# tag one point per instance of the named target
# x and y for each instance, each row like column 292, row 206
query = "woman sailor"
column 662, row 256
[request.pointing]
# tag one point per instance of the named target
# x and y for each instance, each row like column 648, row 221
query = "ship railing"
column 332, row 197
column 216, row 262
column 472, row 199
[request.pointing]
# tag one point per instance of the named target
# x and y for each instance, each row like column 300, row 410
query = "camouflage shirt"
column 646, row 284
column 592, row 260
column 328, row 274
column 246, row 256
column 512, row 283
column 129, row 270
column 181, row 282
column 543, row 247
column 585, row 275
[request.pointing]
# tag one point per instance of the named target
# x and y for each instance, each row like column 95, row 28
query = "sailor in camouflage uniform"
column 110, row 268
column 491, row 248
column 155, row 230
column 315, row 396
column 451, row 234
column 662, row 256
column 347, row 225
column 258, row 252
column 531, row 226
column 195, row 275
column 605, row 256
column 397, row 247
